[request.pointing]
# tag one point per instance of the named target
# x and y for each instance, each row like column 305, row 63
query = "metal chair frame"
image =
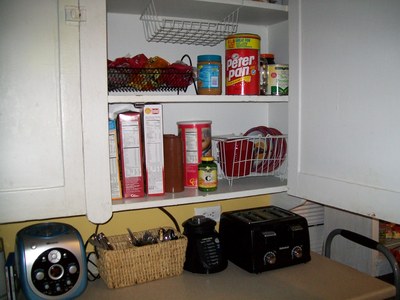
column 369, row 243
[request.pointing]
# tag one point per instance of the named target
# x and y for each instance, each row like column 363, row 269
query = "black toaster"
column 264, row 238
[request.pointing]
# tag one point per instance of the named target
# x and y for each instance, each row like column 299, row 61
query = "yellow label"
column 242, row 43
column 208, row 178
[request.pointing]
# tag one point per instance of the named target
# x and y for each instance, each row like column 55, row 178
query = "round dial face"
column 55, row 272
column 54, row 256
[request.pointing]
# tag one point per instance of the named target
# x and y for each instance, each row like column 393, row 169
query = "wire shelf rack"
column 247, row 156
column 148, row 80
column 190, row 32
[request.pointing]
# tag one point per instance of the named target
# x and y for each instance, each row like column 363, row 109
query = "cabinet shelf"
column 134, row 98
column 243, row 187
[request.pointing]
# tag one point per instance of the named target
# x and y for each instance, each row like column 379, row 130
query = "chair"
column 369, row 243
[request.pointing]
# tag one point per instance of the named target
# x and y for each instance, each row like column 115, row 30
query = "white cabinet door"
column 344, row 105
column 41, row 154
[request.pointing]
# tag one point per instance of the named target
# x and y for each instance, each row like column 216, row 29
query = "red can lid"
column 267, row 55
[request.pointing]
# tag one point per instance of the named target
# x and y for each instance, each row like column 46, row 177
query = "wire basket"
column 129, row 265
column 122, row 79
column 190, row 32
column 245, row 156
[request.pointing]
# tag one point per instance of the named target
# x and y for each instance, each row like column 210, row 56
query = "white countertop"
column 321, row 278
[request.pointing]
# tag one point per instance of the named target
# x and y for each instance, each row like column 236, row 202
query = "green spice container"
column 207, row 174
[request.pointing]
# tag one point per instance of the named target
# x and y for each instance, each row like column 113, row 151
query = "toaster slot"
column 248, row 217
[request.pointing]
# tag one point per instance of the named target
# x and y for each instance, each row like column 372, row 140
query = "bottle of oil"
column 207, row 174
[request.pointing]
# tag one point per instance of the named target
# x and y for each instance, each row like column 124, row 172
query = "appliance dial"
column 39, row 274
column 270, row 258
column 297, row 252
column 54, row 256
column 72, row 269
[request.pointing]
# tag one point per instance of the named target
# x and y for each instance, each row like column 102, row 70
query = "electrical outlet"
column 212, row 212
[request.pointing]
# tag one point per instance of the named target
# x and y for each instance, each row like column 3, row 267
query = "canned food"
column 278, row 79
column 196, row 141
column 242, row 53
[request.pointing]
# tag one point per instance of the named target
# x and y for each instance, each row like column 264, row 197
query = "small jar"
column 207, row 174
column 209, row 75
column 266, row 59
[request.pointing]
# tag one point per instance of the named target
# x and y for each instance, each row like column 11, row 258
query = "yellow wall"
column 136, row 220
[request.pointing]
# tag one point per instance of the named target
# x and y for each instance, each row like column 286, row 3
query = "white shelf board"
column 250, row 12
column 133, row 98
column 243, row 187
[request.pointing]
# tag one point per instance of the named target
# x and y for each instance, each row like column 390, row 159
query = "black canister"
column 204, row 253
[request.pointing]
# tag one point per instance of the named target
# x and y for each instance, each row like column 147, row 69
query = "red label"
column 242, row 74
column 196, row 141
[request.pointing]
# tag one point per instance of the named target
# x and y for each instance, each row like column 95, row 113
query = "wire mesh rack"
column 184, row 31
column 246, row 156
column 148, row 80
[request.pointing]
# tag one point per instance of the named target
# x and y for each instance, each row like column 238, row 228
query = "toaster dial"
column 297, row 252
column 270, row 258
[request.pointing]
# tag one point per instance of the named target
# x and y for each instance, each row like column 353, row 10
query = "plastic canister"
column 196, row 142
column 242, row 53
column 209, row 75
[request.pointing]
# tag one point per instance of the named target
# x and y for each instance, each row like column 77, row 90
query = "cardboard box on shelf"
column 115, row 174
column 153, row 145
column 131, row 150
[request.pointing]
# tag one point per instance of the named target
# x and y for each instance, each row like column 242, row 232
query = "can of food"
column 196, row 142
column 242, row 53
column 278, row 79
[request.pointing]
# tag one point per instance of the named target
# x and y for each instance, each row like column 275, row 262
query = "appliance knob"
column 54, row 256
column 270, row 258
column 72, row 269
column 297, row 252
column 39, row 274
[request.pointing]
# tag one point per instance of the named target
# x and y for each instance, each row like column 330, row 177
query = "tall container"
column 242, row 75
column 196, row 142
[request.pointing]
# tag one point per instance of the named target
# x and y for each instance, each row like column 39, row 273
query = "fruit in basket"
column 179, row 75
column 156, row 62
column 138, row 61
column 150, row 75
column 122, row 71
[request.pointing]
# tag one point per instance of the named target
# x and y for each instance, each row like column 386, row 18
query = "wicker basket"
column 129, row 265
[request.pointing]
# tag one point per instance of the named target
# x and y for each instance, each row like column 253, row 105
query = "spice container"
column 209, row 75
column 266, row 59
column 207, row 174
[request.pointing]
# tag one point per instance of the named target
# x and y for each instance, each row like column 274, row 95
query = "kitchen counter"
column 321, row 278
